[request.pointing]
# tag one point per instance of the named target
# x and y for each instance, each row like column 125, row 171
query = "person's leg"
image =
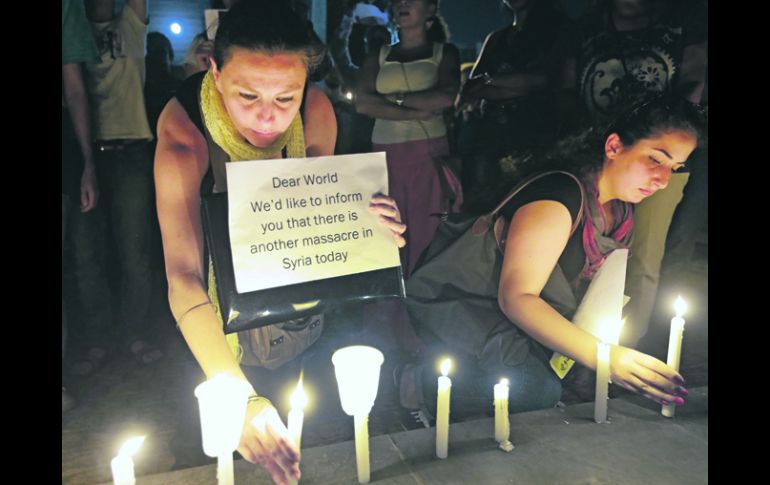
column 128, row 176
column 423, row 197
column 93, row 296
column 67, row 401
column 652, row 218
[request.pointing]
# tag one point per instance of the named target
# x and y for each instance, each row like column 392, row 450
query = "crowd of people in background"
column 457, row 132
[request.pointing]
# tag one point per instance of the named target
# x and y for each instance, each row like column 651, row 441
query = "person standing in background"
column 124, row 160
column 78, row 170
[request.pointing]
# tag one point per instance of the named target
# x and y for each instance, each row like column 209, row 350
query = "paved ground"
column 558, row 445
column 125, row 398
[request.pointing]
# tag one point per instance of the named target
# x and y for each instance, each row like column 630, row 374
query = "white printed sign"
column 305, row 219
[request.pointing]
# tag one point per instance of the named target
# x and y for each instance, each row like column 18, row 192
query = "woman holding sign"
column 254, row 103
column 561, row 227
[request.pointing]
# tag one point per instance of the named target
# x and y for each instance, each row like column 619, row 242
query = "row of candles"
column 223, row 400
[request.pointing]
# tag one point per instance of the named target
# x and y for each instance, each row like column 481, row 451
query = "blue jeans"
column 127, row 195
column 533, row 384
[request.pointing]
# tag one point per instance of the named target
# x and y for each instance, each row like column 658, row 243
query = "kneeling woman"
column 252, row 104
column 548, row 237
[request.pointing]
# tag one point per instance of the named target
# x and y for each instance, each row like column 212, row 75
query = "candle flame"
column 131, row 446
column 504, row 381
column 298, row 397
column 680, row 306
column 446, row 364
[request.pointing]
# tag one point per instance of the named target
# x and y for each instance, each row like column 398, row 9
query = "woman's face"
column 410, row 13
column 638, row 171
column 262, row 92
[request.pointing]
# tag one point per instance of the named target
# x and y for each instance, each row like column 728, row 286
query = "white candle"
column 225, row 469
column 675, row 347
column 296, row 417
column 357, row 369
column 123, row 464
column 602, row 381
column 222, row 402
column 362, row 447
column 610, row 334
column 502, row 424
column 442, row 410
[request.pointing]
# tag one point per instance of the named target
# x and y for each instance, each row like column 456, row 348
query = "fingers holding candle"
column 645, row 375
column 265, row 441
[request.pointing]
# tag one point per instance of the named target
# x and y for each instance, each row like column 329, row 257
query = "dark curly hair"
column 582, row 153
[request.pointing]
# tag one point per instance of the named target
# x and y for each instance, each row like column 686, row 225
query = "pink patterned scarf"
column 599, row 240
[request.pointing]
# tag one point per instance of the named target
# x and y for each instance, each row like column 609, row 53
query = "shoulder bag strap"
column 500, row 226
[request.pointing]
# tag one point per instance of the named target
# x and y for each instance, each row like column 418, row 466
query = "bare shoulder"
column 179, row 140
column 320, row 123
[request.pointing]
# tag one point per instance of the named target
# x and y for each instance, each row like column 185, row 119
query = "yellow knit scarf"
column 224, row 134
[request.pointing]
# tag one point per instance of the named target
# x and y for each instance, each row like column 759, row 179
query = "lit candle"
column 602, row 381
column 675, row 347
column 442, row 413
column 357, row 369
column 222, row 402
column 361, row 422
column 225, row 473
column 296, row 416
column 123, row 464
column 502, row 424
column 611, row 335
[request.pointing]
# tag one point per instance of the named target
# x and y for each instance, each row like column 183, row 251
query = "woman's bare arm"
column 536, row 239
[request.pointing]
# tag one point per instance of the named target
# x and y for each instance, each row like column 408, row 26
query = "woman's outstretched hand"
column 265, row 441
column 646, row 375
column 389, row 216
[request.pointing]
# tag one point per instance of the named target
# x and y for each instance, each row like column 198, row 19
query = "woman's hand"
column 89, row 189
column 389, row 216
column 646, row 375
column 265, row 440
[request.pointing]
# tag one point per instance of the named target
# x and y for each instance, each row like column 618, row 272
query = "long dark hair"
column 270, row 26
column 582, row 153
